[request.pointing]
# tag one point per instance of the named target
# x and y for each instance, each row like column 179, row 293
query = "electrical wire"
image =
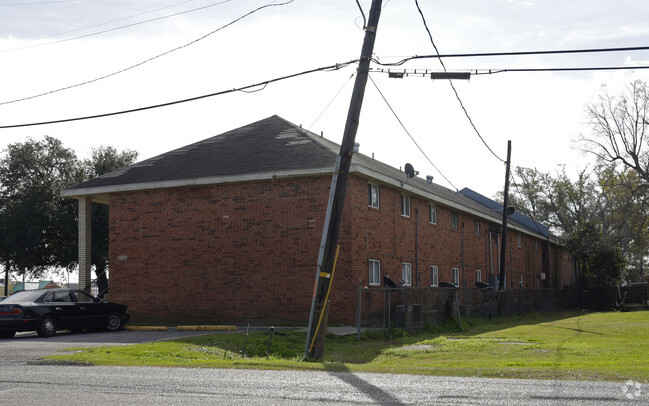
column 33, row 3
column 155, row 106
column 149, row 59
column 115, row 28
column 514, row 53
column 331, row 101
column 466, row 113
column 100, row 24
column 492, row 71
column 410, row 135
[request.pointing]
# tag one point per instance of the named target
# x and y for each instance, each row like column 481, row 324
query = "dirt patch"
column 418, row 347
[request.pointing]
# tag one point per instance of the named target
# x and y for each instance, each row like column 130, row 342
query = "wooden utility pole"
column 501, row 279
column 326, row 257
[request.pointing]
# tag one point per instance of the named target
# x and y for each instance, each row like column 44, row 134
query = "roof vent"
column 429, row 179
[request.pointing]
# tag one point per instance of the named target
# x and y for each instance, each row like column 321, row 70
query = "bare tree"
column 619, row 128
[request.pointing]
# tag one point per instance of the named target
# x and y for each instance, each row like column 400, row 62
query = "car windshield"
column 24, row 296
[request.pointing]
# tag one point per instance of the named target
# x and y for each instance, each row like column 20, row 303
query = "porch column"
column 85, row 242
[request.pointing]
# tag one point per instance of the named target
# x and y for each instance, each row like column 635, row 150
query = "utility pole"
column 327, row 254
column 501, row 279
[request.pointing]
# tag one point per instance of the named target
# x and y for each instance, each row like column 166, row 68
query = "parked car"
column 48, row 310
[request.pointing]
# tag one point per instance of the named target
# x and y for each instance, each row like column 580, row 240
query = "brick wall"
column 247, row 252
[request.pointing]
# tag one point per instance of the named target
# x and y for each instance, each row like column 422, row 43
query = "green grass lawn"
column 566, row 345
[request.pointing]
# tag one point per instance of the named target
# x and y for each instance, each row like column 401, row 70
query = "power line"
column 115, row 28
column 331, row 101
column 100, row 24
column 493, row 71
column 33, row 3
column 466, row 113
column 155, row 106
column 149, row 59
column 410, row 135
column 514, row 53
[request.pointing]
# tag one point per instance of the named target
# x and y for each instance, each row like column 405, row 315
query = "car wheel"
column 47, row 327
column 114, row 322
column 7, row 333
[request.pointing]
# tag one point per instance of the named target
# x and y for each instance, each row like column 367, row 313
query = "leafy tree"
column 38, row 227
column 104, row 159
column 625, row 216
column 573, row 210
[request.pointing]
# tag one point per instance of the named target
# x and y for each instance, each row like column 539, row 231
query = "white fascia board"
column 131, row 187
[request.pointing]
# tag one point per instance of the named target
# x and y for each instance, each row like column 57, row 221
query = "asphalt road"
column 26, row 381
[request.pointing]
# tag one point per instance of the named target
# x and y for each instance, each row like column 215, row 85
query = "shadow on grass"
column 480, row 326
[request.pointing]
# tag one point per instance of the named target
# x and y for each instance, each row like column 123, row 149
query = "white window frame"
column 434, row 275
column 374, row 266
column 520, row 241
column 406, row 273
column 454, row 220
column 476, row 227
column 478, row 275
column 432, row 214
column 520, row 280
column 373, row 196
column 456, row 276
column 405, row 205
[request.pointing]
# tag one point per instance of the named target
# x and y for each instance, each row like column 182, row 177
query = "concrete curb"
column 145, row 328
column 207, row 328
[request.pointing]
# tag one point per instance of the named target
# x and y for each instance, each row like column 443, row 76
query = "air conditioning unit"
column 542, row 276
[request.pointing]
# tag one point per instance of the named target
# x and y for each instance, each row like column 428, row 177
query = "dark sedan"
column 48, row 310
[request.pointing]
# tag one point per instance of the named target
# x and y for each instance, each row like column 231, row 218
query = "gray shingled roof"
column 272, row 147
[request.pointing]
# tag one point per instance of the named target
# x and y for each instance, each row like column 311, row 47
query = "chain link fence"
column 381, row 307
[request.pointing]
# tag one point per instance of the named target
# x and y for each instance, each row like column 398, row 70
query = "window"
column 478, row 275
column 434, row 275
column 432, row 214
column 405, row 205
column 520, row 241
column 476, row 227
column 453, row 220
column 520, row 280
column 375, row 272
column 373, row 195
column 456, row 276
column 406, row 273
column 84, row 297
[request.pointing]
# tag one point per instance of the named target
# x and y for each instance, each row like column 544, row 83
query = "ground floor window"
column 478, row 275
column 375, row 271
column 406, row 273
column 456, row 276
column 434, row 275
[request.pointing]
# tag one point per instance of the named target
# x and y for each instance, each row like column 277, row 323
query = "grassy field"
column 568, row 345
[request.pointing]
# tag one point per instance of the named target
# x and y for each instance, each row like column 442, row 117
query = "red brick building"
column 228, row 230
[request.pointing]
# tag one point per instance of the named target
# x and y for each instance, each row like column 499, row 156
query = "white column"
column 85, row 242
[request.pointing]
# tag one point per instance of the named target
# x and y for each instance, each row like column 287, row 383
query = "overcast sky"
column 49, row 45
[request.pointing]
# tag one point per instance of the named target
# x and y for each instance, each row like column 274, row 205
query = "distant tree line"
column 602, row 215
column 39, row 228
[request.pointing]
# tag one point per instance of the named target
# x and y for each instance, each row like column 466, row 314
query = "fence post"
column 359, row 298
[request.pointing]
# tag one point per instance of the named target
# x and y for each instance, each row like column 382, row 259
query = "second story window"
column 405, row 205
column 373, row 195
column 432, row 214
column 453, row 220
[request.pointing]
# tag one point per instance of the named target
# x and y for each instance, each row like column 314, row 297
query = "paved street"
column 26, row 382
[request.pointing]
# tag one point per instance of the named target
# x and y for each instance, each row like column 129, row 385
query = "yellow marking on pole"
column 315, row 334
column 325, row 275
